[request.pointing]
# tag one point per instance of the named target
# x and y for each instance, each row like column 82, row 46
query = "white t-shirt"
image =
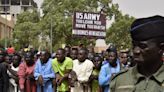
column 83, row 70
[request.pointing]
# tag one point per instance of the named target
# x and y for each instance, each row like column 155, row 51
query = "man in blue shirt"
column 44, row 73
column 109, row 69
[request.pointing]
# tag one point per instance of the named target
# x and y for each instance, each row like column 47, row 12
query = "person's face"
column 16, row 61
column 44, row 57
column 105, row 55
column 97, row 62
column 112, row 57
column 8, row 59
column 60, row 55
column 67, row 51
column 90, row 56
column 74, row 54
column 29, row 59
column 82, row 55
column 146, row 52
column 123, row 58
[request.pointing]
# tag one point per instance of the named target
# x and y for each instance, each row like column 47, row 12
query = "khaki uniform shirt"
column 132, row 81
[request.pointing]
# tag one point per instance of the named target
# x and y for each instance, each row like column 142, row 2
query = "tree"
column 118, row 33
column 26, row 30
column 60, row 13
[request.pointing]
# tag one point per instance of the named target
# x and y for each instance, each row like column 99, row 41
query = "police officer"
column 148, row 45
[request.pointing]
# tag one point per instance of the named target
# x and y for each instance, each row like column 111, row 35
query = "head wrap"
column 147, row 28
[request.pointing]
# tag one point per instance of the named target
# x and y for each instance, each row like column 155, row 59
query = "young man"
column 97, row 61
column 67, row 50
column 12, row 70
column 148, row 45
column 110, row 69
column 82, row 70
column 62, row 66
column 74, row 53
column 44, row 73
column 105, row 57
column 123, row 57
column 27, row 82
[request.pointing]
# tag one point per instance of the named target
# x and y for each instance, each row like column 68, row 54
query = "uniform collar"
column 159, row 74
column 138, row 77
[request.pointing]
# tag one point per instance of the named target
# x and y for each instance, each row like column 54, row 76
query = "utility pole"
column 5, row 32
column 51, row 37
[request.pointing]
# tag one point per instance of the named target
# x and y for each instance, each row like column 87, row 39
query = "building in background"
column 15, row 7
column 9, row 10
column 6, row 28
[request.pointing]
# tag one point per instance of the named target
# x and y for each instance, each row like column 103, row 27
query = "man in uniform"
column 148, row 45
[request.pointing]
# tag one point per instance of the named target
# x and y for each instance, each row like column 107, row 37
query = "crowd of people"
column 70, row 69
column 80, row 69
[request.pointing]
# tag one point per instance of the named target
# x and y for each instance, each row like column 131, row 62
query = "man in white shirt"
column 82, row 69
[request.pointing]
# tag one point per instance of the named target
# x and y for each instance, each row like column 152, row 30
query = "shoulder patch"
column 121, row 72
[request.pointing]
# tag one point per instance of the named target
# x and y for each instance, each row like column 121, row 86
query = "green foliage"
column 28, row 16
column 26, row 30
column 118, row 33
column 60, row 13
column 2, row 41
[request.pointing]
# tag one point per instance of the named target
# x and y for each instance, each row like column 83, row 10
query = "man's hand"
column 30, row 76
column 73, row 75
column 72, row 78
column 58, row 79
column 21, row 90
column 40, row 80
column 94, row 77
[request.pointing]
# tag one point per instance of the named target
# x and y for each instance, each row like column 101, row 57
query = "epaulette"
column 119, row 73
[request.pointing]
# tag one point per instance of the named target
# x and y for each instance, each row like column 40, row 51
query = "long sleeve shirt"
column 106, row 72
column 46, row 71
column 83, row 71
column 23, row 72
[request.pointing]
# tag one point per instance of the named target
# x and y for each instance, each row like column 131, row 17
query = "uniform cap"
column 147, row 28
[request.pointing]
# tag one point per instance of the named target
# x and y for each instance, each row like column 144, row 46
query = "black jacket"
column 4, row 79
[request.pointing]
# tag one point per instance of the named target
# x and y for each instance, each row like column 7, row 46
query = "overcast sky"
column 141, row 8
